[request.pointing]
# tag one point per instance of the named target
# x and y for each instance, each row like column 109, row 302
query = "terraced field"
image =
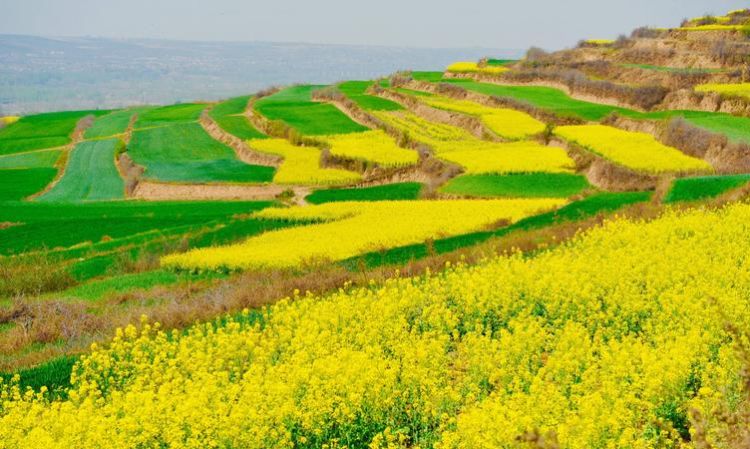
column 302, row 164
column 406, row 284
column 294, row 106
column 41, row 131
column 91, row 174
column 185, row 152
column 638, row 151
column 230, row 115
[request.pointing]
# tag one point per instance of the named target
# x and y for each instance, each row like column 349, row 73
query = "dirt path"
column 241, row 149
column 156, row 191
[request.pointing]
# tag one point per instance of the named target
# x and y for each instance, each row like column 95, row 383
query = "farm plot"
column 507, row 123
column 185, row 152
column 169, row 115
column 638, row 151
column 392, row 192
column 556, row 101
column 353, row 228
column 109, row 125
column 694, row 189
column 302, row 164
column 456, row 145
column 294, row 106
column 735, row 90
column 32, row 159
column 518, row 185
column 230, row 116
column 17, row 184
column 473, row 67
column 63, row 225
column 91, row 174
column 375, row 146
column 35, row 132
column 356, row 91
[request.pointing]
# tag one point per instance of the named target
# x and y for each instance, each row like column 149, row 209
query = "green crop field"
column 432, row 77
column 91, row 174
column 20, row 183
column 109, row 125
column 229, row 115
column 398, row 191
column 355, row 91
column 526, row 185
column 239, row 126
column 294, row 106
column 693, row 189
column 35, row 132
column 33, row 159
column 232, row 106
column 52, row 225
column 169, row 115
column 185, row 152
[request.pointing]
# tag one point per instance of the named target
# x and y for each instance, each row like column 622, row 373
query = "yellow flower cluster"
column 733, row 89
column 507, row 123
column 456, row 145
column 8, row 119
column 714, row 27
column 473, row 67
column 353, row 228
column 375, row 146
column 302, row 164
column 599, row 41
column 637, row 151
column 607, row 341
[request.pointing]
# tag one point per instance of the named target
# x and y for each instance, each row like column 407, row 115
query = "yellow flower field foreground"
column 355, row 228
column 507, row 123
column 456, row 145
column 302, row 164
column 608, row 341
column 637, row 151
column 375, row 146
column 737, row 89
column 473, row 67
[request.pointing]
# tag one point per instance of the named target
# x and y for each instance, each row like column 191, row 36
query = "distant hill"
column 40, row 74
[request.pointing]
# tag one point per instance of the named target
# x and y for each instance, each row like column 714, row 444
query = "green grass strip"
column 525, row 185
column 91, row 174
column 693, row 189
column 398, row 191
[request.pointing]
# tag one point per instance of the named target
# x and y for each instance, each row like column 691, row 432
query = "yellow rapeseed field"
column 302, row 164
column 353, row 228
column 600, row 41
column 376, row 146
column 513, row 157
column 473, row 67
column 8, row 119
column 454, row 144
column 637, row 151
column 608, row 341
column 504, row 122
column 735, row 89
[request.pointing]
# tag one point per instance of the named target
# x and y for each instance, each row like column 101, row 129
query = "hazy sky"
column 460, row 23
